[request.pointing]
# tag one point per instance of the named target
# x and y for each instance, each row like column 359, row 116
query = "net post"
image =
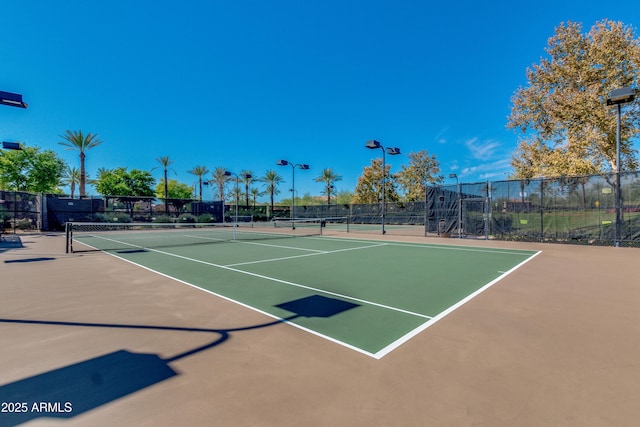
column 68, row 237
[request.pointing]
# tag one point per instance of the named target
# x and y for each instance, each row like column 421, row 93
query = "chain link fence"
column 20, row 211
column 582, row 210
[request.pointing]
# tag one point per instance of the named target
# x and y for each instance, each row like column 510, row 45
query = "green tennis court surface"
column 370, row 296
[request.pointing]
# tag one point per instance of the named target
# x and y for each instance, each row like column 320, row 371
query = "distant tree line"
column 565, row 129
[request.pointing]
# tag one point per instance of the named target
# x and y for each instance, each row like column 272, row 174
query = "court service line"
column 301, row 256
column 274, row 259
column 256, row 243
column 240, row 303
column 273, row 279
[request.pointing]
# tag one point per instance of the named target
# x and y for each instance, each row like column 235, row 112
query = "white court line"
column 379, row 354
column 256, row 243
column 273, row 279
column 226, row 298
column 397, row 343
column 505, row 251
column 274, row 259
column 305, row 255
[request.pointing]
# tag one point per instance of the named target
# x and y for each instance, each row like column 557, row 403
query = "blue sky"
column 242, row 84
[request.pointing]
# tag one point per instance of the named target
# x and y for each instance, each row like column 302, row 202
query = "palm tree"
column 220, row 180
column 71, row 177
column 76, row 140
column 199, row 171
column 271, row 180
column 247, row 177
column 165, row 162
column 328, row 177
column 102, row 172
column 255, row 193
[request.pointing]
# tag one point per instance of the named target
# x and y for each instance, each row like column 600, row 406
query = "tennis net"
column 335, row 223
column 104, row 236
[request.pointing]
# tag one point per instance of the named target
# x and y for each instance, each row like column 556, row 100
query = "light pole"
column 459, row 194
column 302, row 166
column 206, row 184
column 618, row 97
column 373, row 144
column 11, row 145
column 235, row 224
column 12, row 99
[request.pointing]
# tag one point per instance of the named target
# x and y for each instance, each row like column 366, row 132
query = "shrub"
column 163, row 219
column 24, row 224
column 205, row 218
column 112, row 217
column 187, row 219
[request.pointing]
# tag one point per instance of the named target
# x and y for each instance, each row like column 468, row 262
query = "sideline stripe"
column 305, row 255
column 380, row 354
column 435, row 246
column 273, row 279
column 226, row 298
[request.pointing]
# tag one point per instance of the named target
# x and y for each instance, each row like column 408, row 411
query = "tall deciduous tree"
column 344, row 197
column 423, row 168
column 76, row 140
column 369, row 186
column 176, row 193
column 328, row 177
column 31, row 169
column 567, row 127
column 175, row 190
column 121, row 182
column 130, row 186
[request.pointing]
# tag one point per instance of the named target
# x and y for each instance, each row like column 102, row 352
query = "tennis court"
column 116, row 337
column 370, row 296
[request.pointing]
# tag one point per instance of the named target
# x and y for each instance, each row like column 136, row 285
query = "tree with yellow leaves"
column 567, row 127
